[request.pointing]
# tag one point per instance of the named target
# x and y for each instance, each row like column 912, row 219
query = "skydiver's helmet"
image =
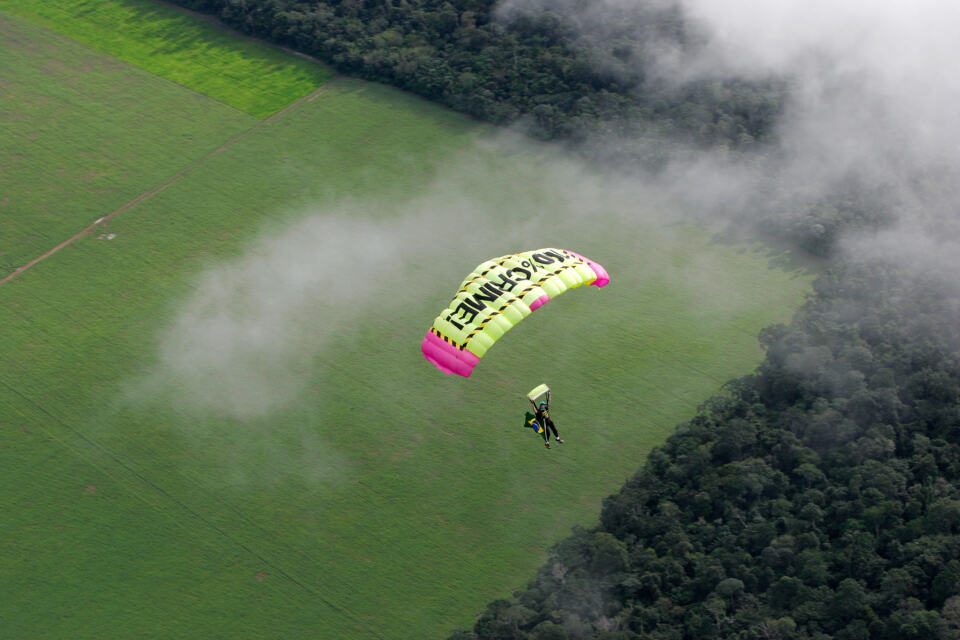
column 543, row 405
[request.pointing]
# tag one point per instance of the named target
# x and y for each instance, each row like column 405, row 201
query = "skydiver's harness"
column 543, row 412
column 543, row 417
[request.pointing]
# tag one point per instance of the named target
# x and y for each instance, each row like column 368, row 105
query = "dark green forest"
column 588, row 83
column 543, row 69
column 818, row 497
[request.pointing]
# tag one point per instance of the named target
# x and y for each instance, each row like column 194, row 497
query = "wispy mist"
column 256, row 328
column 871, row 93
column 872, row 98
column 872, row 86
column 243, row 344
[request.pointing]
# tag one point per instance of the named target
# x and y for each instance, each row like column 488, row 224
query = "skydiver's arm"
column 548, row 397
column 533, row 404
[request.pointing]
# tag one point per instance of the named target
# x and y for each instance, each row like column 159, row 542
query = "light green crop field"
column 250, row 76
column 83, row 133
column 352, row 490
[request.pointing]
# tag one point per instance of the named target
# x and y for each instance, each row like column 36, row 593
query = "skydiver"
column 543, row 417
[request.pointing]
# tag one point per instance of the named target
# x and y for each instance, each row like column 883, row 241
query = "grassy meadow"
column 368, row 495
column 85, row 133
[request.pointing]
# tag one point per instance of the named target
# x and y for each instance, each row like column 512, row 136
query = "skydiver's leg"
column 552, row 427
column 556, row 435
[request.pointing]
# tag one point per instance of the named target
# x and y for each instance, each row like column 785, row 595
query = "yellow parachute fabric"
column 497, row 295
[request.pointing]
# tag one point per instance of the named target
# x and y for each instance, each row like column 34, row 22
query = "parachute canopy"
column 497, row 295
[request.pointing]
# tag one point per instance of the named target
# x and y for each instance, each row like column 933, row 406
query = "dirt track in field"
column 157, row 189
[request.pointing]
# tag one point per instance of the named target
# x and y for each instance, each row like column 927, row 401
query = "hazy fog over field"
column 239, row 346
column 872, row 99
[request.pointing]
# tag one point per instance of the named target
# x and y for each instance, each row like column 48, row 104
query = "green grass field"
column 217, row 421
column 84, row 133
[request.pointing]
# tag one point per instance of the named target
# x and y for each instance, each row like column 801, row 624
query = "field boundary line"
column 160, row 187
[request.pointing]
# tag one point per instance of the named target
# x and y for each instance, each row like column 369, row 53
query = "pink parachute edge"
column 447, row 357
column 603, row 279
column 450, row 359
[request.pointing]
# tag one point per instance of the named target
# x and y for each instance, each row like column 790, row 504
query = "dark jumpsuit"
column 543, row 417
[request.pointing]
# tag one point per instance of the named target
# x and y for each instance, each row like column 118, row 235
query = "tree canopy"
column 816, row 498
column 564, row 77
